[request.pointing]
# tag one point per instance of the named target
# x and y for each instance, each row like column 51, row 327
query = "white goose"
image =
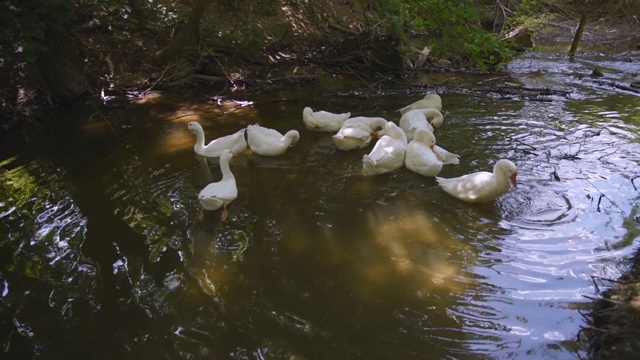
column 219, row 194
column 269, row 142
column 481, row 186
column 388, row 153
column 419, row 118
column 430, row 101
column 420, row 157
column 357, row 132
column 235, row 142
column 323, row 120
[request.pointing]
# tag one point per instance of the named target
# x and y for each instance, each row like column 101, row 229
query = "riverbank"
column 612, row 331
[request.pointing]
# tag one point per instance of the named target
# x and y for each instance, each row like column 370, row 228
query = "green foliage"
column 533, row 21
column 23, row 24
column 451, row 26
column 529, row 4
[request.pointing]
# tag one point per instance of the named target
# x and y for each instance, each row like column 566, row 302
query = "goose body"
column 357, row 132
column 430, row 101
column 269, row 142
column 219, row 194
column 373, row 123
column 419, row 118
column 235, row 142
column 482, row 186
column 420, row 157
column 388, row 153
column 323, row 120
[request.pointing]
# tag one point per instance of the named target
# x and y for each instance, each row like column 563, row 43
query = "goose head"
column 392, row 130
column 437, row 120
column 435, row 116
column 425, row 136
column 194, row 127
column 507, row 168
column 293, row 136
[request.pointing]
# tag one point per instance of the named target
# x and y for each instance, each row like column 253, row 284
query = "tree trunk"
column 576, row 39
column 184, row 37
column 59, row 67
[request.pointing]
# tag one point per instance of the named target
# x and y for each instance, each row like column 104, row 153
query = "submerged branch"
column 619, row 86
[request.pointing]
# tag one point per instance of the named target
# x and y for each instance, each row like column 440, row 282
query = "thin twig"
column 605, row 196
column 575, row 156
column 358, row 76
column 634, row 185
column 376, row 83
column 593, row 280
column 104, row 118
column 158, row 80
column 615, row 151
column 599, row 200
column 523, row 143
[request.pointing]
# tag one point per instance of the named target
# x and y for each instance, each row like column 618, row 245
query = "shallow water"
column 106, row 253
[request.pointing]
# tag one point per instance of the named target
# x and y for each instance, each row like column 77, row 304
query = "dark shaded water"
column 105, row 253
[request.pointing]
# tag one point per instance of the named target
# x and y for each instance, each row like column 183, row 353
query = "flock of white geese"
column 411, row 143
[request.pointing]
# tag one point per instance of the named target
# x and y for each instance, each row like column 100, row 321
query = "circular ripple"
column 546, row 208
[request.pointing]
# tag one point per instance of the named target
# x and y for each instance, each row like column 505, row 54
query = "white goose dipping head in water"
column 357, row 132
column 323, row 120
column 270, row 142
column 430, row 101
column 235, row 142
column 420, row 118
column 482, row 186
column 388, row 153
column 219, row 194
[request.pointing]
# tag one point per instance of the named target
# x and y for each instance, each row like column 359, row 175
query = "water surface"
column 107, row 254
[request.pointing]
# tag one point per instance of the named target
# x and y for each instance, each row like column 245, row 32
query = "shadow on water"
column 106, row 253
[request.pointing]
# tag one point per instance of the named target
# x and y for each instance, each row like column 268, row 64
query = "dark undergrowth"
column 612, row 330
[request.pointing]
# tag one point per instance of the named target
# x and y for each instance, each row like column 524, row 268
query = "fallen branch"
column 343, row 30
column 209, row 78
column 619, row 86
column 537, row 99
column 493, row 79
column 546, row 91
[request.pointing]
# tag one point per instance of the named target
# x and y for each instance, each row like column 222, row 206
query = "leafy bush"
column 452, row 27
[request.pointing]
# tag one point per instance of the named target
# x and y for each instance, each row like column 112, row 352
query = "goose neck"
column 199, row 138
column 226, row 170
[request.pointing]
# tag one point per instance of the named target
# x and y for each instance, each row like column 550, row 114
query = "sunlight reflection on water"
column 317, row 260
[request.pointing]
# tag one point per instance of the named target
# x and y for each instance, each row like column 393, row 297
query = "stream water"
column 106, row 254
